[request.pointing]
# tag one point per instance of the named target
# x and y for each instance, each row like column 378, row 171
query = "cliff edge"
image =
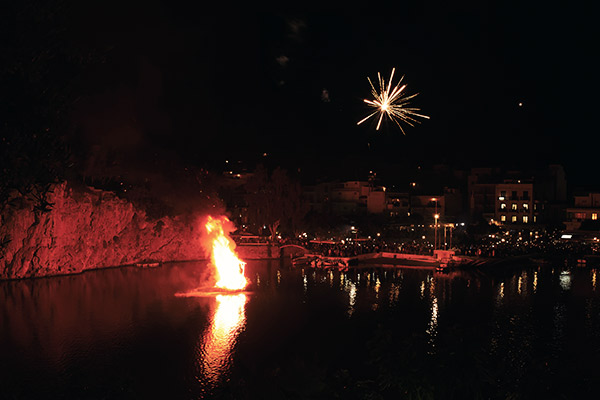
column 87, row 229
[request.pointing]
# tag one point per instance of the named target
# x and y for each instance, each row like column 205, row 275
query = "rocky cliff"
column 88, row 229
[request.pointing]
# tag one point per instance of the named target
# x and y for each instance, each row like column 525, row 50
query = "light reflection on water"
column 351, row 289
column 565, row 280
column 216, row 345
column 432, row 327
column 500, row 294
column 520, row 285
column 128, row 320
column 394, row 293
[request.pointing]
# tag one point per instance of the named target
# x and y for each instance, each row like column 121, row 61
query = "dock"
column 441, row 260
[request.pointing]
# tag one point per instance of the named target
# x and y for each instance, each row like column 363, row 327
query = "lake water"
column 379, row 333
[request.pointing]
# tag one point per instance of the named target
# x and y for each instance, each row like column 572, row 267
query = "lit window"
column 535, row 218
column 503, row 218
column 580, row 215
column 525, row 219
column 503, row 206
column 526, row 206
column 594, row 216
column 513, row 206
column 513, row 218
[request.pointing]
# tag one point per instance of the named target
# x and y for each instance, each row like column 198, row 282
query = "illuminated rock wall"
column 88, row 229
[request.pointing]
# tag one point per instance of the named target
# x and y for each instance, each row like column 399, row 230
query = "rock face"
column 88, row 229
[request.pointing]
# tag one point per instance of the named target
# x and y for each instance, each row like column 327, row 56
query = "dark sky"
column 208, row 85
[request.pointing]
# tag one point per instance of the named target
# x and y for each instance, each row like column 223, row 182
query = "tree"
column 40, row 62
column 274, row 201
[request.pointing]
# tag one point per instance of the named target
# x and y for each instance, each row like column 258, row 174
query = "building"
column 583, row 215
column 366, row 198
column 377, row 200
column 521, row 198
column 454, row 200
column 347, row 198
column 428, row 206
column 398, row 204
column 481, row 189
column 514, row 203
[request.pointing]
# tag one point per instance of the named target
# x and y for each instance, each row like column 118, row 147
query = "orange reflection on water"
column 218, row 341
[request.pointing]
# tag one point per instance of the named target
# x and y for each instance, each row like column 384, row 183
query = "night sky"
column 176, row 80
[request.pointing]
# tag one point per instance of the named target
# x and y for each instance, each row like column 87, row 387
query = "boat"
column 319, row 261
column 340, row 263
column 400, row 260
column 445, row 266
column 305, row 260
column 148, row 264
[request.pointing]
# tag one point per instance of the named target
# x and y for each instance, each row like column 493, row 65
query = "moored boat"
column 148, row 264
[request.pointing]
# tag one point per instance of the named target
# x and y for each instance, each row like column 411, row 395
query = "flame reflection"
column 217, row 344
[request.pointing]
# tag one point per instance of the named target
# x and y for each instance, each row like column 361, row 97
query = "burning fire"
column 229, row 268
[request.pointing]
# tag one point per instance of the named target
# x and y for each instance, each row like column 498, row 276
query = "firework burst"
column 392, row 103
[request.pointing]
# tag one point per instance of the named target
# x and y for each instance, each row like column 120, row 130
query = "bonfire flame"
column 229, row 268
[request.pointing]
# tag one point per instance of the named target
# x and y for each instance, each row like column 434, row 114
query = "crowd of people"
column 497, row 245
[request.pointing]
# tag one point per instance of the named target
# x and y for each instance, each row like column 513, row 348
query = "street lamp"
column 436, row 216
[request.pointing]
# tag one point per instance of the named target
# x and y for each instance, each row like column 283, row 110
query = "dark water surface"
column 380, row 333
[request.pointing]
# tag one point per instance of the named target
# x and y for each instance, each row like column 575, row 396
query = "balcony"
column 514, row 198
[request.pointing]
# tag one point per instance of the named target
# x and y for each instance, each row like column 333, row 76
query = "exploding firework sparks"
column 392, row 103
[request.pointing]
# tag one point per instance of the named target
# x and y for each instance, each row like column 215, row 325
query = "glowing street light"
column 436, row 216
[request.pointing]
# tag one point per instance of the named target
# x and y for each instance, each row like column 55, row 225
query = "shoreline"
column 370, row 260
